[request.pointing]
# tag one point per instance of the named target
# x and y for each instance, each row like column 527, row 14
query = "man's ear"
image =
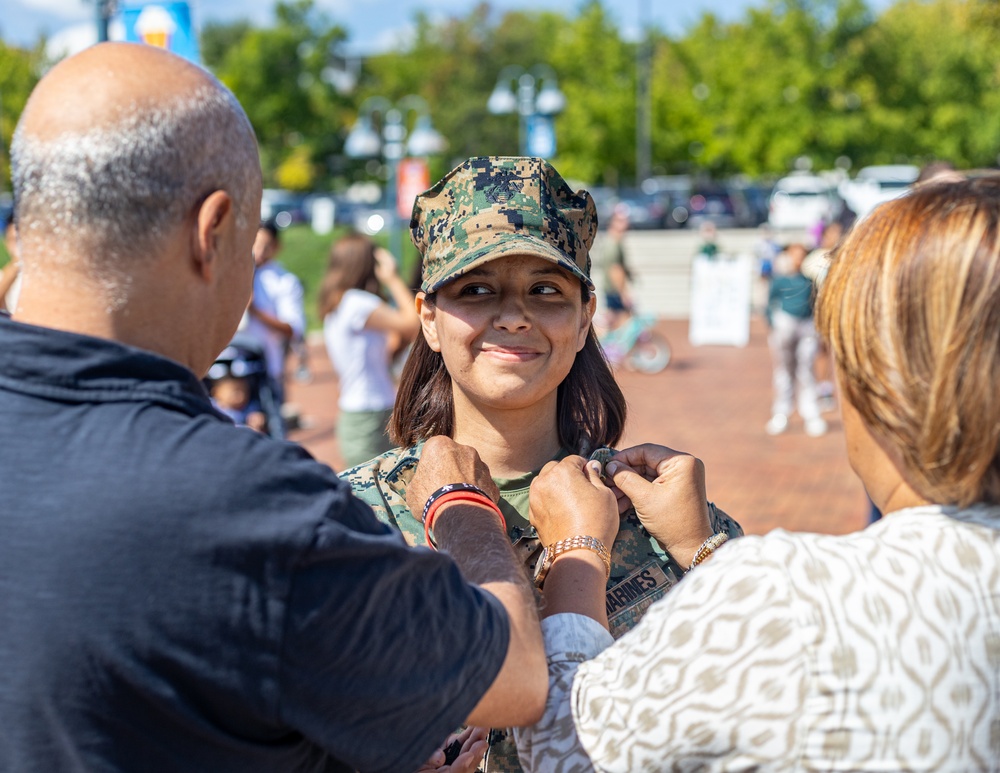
column 212, row 226
column 426, row 312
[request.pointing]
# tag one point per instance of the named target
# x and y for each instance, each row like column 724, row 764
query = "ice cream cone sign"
column 155, row 26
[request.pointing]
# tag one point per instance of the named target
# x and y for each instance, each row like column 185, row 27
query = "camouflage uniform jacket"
column 641, row 571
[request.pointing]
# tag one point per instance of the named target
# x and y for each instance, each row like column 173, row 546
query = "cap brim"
column 509, row 244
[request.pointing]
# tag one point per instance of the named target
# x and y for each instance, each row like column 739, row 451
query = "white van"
column 801, row 201
column 876, row 184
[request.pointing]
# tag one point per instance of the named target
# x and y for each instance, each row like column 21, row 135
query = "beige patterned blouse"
column 878, row 650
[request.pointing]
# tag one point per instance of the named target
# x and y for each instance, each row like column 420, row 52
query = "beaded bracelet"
column 708, row 547
column 448, row 489
column 472, row 497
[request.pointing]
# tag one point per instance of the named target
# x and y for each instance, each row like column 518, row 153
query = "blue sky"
column 372, row 24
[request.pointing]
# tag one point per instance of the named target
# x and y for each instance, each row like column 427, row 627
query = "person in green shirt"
column 793, row 343
column 508, row 363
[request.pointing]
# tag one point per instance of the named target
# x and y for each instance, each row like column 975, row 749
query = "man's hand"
column 471, row 534
column 569, row 499
column 465, row 749
column 444, row 461
column 667, row 489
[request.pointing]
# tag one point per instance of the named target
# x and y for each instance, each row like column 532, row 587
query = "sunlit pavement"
column 711, row 401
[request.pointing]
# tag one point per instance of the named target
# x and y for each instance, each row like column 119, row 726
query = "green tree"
column 755, row 95
column 931, row 81
column 596, row 132
column 19, row 72
column 436, row 66
column 277, row 73
column 825, row 79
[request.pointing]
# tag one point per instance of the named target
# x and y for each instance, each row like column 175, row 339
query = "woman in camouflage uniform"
column 509, row 364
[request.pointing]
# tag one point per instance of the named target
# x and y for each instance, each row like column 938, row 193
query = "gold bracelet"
column 579, row 542
column 708, row 547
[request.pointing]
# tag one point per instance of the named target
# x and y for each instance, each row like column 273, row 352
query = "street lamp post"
column 105, row 10
column 643, row 98
column 549, row 101
column 365, row 142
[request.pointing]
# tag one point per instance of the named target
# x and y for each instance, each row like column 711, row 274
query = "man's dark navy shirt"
column 180, row 594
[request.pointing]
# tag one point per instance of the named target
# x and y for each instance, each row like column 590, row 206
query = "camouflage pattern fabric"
column 641, row 572
column 492, row 206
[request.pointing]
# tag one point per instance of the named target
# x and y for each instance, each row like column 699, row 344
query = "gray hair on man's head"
column 111, row 194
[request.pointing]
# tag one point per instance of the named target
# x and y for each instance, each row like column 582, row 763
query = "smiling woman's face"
column 508, row 332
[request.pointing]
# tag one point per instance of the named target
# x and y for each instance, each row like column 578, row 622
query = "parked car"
column 345, row 210
column 711, row 203
column 876, row 184
column 750, row 200
column 645, row 210
column 674, row 191
column 801, row 201
column 283, row 207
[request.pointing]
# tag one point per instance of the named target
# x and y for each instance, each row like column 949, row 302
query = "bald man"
column 176, row 593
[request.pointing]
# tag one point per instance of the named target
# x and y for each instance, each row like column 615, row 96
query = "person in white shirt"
column 877, row 650
column 276, row 316
column 362, row 332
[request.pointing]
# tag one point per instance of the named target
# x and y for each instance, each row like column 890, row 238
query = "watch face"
column 542, row 566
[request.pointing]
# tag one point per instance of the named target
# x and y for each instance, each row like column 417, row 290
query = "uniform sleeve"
column 387, row 649
column 716, row 670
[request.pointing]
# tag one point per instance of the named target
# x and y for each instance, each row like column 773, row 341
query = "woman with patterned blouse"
column 873, row 651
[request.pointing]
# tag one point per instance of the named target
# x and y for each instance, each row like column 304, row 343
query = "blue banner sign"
column 541, row 136
column 166, row 25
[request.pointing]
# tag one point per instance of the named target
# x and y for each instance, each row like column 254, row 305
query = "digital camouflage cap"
column 491, row 206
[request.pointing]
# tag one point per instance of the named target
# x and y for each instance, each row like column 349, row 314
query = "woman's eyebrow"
column 486, row 271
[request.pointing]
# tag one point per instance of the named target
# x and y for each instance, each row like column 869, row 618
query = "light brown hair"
column 351, row 266
column 911, row 309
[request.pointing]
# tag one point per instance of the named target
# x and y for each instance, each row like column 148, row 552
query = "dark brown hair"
column 590, row 406
column 911, row 308
column 351, row 266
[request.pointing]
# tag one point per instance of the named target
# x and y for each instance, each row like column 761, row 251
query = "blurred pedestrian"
column 276, row 316
column 361, row 332
column 817, row 262
column 815, row 266
column 610, row 258
column 766, row 251
column 236, row 381
column 870, row 651
column 708, row 236
column 793, row 343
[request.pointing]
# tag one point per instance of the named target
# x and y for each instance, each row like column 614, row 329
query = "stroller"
column 244, row 358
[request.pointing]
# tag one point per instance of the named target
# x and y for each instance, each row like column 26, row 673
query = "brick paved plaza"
column 713, row 402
